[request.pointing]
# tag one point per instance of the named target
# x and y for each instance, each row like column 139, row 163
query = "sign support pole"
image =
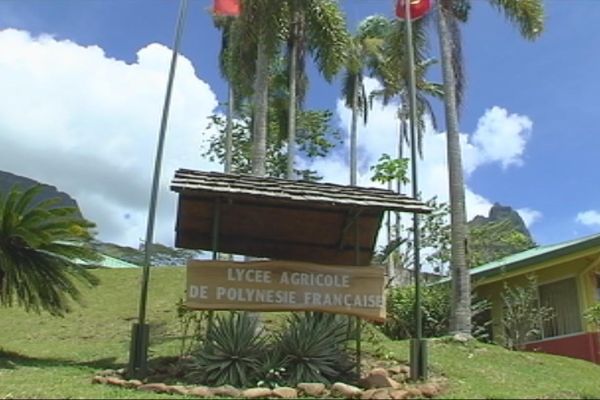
column 418, row 364
column 138, row 356
column 358, row 320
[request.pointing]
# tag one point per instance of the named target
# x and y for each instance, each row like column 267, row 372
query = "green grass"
column 46, row 357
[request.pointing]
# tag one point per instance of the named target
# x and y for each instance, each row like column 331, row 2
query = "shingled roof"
column 188, row 181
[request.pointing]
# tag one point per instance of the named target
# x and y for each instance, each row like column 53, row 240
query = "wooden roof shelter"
column 282, row 219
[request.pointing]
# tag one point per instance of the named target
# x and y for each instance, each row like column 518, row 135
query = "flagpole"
column 418, row 364
column 138, row 355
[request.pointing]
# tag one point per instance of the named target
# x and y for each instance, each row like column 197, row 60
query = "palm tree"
column 528, row 15
column 364, row 52
column 319, row 27
column 224, row 23
column 256, row 36
column 39, row 246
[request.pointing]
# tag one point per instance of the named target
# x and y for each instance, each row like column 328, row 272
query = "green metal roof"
column 535, row 256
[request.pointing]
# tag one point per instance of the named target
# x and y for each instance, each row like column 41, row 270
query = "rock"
column 462, row 337
column 133, row 383
column 285, row 393
column 312, row 389
column 200, row 391
column 177, row 389
column 121, row 371
column 154, row 387
column 405, row 369
column 414, row 392
column 107, row 372
column 375, row 394
column 346, row 391
column 112, row 380
column 256, row 393
column 378, row 380
column 429, row 389
column 99, row 379
column 398, row 394
column 379, row 371
column 226, row 391
column 394, row 370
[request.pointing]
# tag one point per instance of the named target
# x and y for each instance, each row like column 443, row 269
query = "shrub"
column 522, row 317
column 592, row 315
column 232, row 352
column 435, row 305
column 312, row 348
column 192, row 325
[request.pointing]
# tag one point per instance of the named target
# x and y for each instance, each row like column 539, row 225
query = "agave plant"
column 312, row 348
column 232, row 352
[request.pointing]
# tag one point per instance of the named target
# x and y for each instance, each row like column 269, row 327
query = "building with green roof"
column 568, row 279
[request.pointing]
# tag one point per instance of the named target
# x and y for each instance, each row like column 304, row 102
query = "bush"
column 522, row 317
column 435, row 305
column 232, row 353
column 312, row 348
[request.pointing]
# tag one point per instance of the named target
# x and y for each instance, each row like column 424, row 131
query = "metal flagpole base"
column 138, row 352
column 418, row 359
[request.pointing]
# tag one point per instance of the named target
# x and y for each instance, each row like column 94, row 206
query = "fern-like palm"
column 40, row 243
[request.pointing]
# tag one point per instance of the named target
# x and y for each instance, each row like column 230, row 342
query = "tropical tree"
column 364, row 54
column 224, row 23
column 528, row 15
column 255, row 39
column 40, row 243
column 316, row 27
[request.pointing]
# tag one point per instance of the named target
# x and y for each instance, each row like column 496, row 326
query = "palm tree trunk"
column 391, row 273
column 354, row 131
column 292, row 105
column 261, row 108
column 460, row 318
column 229, row 130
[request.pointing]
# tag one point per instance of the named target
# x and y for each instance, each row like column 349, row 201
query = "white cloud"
column 500, row 138
column 589, row 218
column 529, row 216
column 72, row 117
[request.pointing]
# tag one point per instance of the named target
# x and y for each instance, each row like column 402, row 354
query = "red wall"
column 584, row 346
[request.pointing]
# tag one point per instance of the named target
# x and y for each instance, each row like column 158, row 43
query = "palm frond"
column 528, row 15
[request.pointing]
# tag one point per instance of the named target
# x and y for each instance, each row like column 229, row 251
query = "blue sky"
column 88, row 91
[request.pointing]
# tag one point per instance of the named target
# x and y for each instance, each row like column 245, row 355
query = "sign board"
column 286, row 286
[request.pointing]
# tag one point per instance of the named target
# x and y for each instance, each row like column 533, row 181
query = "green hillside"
column 43, row 357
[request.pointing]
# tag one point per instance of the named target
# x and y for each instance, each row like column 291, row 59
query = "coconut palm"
column 528, row 15
column 319, row 28
column 39, row 246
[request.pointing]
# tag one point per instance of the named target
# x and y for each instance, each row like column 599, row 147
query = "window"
column 562, row 297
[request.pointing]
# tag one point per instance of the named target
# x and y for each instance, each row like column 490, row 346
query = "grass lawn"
column 43, row 357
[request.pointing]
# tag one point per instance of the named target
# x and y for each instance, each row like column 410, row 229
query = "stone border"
column 377, row 384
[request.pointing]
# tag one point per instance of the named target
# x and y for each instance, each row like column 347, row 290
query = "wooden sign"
column 286, row 286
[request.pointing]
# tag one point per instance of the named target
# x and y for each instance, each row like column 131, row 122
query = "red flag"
column 227, row 8
column 418, row 8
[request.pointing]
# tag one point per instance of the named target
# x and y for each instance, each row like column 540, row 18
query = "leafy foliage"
column 388, row 169
column 522, row 316
column 232, row 352
column 315, row 139
column 40, row 244
column 312, row 348
column 435, row 241
column 492, row 241
column 435, row 306
column 592, row 315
